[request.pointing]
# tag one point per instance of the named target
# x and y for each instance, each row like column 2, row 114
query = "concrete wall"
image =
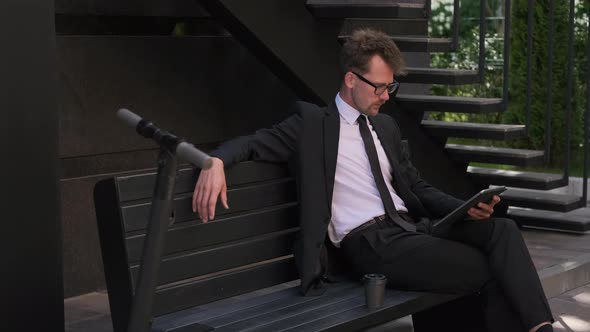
column 205, row 89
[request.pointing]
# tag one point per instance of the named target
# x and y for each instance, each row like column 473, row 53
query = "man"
column 358, row 188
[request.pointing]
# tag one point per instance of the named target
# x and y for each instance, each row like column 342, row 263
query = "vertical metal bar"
column 141, row 308
column 549, row 83
column 569, row 101
column 428, row 5
column 507, row 14
column 529, row 55
column 456, row 16
column 482, row 41
column 586, row 122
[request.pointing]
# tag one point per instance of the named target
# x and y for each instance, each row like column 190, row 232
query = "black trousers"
column 486, row 258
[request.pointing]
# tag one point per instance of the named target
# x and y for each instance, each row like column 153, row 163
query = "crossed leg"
column 486, row 257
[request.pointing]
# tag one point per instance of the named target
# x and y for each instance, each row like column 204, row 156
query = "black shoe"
column 545, row 328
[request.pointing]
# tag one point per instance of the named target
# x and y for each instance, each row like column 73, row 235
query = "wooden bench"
column 233, row 273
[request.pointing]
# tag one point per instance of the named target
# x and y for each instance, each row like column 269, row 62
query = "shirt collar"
column 349, row 113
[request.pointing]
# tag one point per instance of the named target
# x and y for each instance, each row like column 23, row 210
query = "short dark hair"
column 363, row 44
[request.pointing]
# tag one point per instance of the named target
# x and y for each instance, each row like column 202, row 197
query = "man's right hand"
column 210, row 185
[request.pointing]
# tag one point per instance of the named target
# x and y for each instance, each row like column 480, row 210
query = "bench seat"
column 283, row 308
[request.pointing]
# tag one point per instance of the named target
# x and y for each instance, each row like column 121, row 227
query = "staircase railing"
column 529, row 54
column 549, row 83
column 482, row 40
column 570, row 65
column 586, row 121
column 507, row 20
column 456, row 16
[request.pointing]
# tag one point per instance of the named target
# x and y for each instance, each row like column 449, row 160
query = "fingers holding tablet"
column 483, row 210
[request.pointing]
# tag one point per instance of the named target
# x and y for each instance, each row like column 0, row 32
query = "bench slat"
column 189, row 294
column 256, row 301
column 135, row 187
column 135, row 217
column 225, row 229
column 271, row 312
column 194, row 315
column 286, row 322
column 224, row 257
column 396, row 305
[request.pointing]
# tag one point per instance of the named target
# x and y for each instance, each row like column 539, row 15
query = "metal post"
column 570, row 65
column 586, row 123
column 529, row 73
column 456, row 16
column 507, row 14
column 482, row 41
column 141, row 309
column 549, row 83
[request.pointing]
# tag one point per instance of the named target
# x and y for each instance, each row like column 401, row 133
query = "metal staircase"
column 299, row 41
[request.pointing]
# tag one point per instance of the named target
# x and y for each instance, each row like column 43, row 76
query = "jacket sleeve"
column 436, row 202
column 275, row 144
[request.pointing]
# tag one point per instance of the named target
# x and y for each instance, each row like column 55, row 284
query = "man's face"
column 363, row 94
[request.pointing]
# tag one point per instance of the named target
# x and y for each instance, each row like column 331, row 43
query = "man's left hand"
column 483, row 210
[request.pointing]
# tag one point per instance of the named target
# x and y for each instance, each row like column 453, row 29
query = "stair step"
column 440, row 76
column 541, row 200
column 494, row 155
column 392, row 27
column 519, row 179
column 417, row 44
column 367, row 8
column 449, row 104
column 423, row 44
column 576, row 221
column 474, row 130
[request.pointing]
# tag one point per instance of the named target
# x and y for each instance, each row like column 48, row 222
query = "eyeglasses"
column 391, row 88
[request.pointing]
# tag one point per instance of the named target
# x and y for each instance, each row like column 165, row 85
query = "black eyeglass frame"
column 391, row 88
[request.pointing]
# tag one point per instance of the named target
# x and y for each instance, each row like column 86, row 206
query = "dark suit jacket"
column 309, row 139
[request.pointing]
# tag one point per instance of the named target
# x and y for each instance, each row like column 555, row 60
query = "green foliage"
column 516, row 112
column 467, row 57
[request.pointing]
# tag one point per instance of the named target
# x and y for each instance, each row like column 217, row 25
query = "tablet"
column 460, row 212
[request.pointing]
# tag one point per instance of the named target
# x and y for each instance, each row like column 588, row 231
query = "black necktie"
column 378, row 176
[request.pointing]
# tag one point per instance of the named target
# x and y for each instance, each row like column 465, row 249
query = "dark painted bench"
column 233, row 273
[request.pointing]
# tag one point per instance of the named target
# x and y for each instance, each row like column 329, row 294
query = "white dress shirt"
column 356, row 199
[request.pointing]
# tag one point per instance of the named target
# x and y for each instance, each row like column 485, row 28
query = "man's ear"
column 349, row 79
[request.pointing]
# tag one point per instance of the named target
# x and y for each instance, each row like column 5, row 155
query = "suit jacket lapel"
column 331, row 137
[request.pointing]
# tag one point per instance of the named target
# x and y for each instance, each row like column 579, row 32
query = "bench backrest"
column 245, row 248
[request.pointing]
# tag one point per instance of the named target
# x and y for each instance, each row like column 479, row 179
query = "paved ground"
column 572, row 310
column 90, row 312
